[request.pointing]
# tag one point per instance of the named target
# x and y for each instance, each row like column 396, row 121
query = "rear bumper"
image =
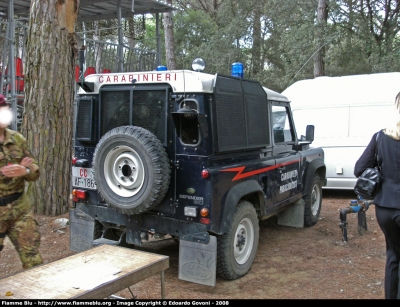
column 83, row 217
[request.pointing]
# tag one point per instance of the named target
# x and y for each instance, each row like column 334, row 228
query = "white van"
column 346, row 111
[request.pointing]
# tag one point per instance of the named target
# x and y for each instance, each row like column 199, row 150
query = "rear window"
column 137, row 107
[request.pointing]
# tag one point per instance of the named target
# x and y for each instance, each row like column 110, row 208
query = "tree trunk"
column 49, row 97
column 169, row 39
column 319, row 58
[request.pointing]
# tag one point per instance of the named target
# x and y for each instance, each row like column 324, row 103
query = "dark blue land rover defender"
column 197, row 157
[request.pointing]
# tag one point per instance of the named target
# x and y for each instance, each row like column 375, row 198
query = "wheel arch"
column 248, row 190
column 315, row 166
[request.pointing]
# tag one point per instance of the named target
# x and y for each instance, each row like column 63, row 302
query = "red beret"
column 3, row 101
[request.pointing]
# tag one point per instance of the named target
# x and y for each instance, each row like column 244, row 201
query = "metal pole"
column 11, row 63
column 4, row 58
column 158, row 57
column 82, row 56
column 120, row 40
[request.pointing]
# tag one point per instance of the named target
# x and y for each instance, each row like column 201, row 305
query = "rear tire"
column 238, row 247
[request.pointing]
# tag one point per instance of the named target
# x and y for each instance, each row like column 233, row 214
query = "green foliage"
column 355, row 42
column 358, row 38
column 369, row 36
column 219, row 36
column 147, row 40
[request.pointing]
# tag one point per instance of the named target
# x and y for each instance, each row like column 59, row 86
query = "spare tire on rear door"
column 131, row 169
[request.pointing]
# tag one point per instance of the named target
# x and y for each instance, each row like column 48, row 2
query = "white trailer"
column 346, row 111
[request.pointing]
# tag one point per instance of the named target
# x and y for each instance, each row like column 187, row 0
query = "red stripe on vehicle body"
column 240, row 175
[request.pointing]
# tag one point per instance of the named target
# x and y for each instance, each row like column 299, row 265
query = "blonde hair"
column 394, row 129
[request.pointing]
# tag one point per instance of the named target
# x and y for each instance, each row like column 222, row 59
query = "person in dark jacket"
column 387, row 200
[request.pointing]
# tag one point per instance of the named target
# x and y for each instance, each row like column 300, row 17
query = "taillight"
column 78, row 195
column 204, row 216
column 74, row 159
column 205, row 173
column 204, row 220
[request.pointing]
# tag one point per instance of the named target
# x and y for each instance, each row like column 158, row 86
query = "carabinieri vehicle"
column 197, row 157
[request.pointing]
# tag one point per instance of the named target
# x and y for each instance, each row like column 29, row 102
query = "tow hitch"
column 359, row 206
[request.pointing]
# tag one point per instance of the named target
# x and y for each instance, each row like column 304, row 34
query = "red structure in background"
column 76, row 73
column 19, row 81
column 19, row 76
column 89, row 71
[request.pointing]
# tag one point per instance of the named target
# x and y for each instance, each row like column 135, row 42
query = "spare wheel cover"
column 131, row 169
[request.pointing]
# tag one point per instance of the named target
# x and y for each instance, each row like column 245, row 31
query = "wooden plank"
column 74, row 276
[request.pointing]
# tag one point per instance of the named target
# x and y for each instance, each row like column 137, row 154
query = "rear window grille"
column 115, row 106
column 84, row 121
column 146, row 109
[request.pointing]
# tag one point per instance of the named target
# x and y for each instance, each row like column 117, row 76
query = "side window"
column 281, row 126
column 188, row 123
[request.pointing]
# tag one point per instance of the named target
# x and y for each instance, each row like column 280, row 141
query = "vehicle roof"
column 368, row 89
column 272, row 95
column 181, row 81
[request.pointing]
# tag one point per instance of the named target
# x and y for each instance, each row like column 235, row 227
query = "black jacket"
column 389, row 157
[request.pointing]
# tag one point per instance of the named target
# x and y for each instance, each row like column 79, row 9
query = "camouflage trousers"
column 18, row 224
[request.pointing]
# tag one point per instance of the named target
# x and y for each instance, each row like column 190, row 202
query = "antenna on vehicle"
column 184, row 86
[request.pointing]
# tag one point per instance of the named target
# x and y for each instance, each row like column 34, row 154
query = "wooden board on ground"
column 93, row 274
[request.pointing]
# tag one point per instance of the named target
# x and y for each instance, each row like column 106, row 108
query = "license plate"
column 83, row 178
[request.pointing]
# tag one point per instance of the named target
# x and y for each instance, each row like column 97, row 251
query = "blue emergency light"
column 161, row 68
column 237, row 70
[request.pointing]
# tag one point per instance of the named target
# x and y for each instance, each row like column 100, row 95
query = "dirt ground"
column 291, row 263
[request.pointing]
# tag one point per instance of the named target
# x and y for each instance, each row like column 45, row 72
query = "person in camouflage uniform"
column 17, row 165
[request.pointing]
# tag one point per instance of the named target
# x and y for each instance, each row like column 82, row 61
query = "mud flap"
column 293, row 216
column 81, row 230
column 198, row 259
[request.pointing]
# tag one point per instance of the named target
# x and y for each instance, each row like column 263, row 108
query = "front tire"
column 238, row 247
column 313, row 202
